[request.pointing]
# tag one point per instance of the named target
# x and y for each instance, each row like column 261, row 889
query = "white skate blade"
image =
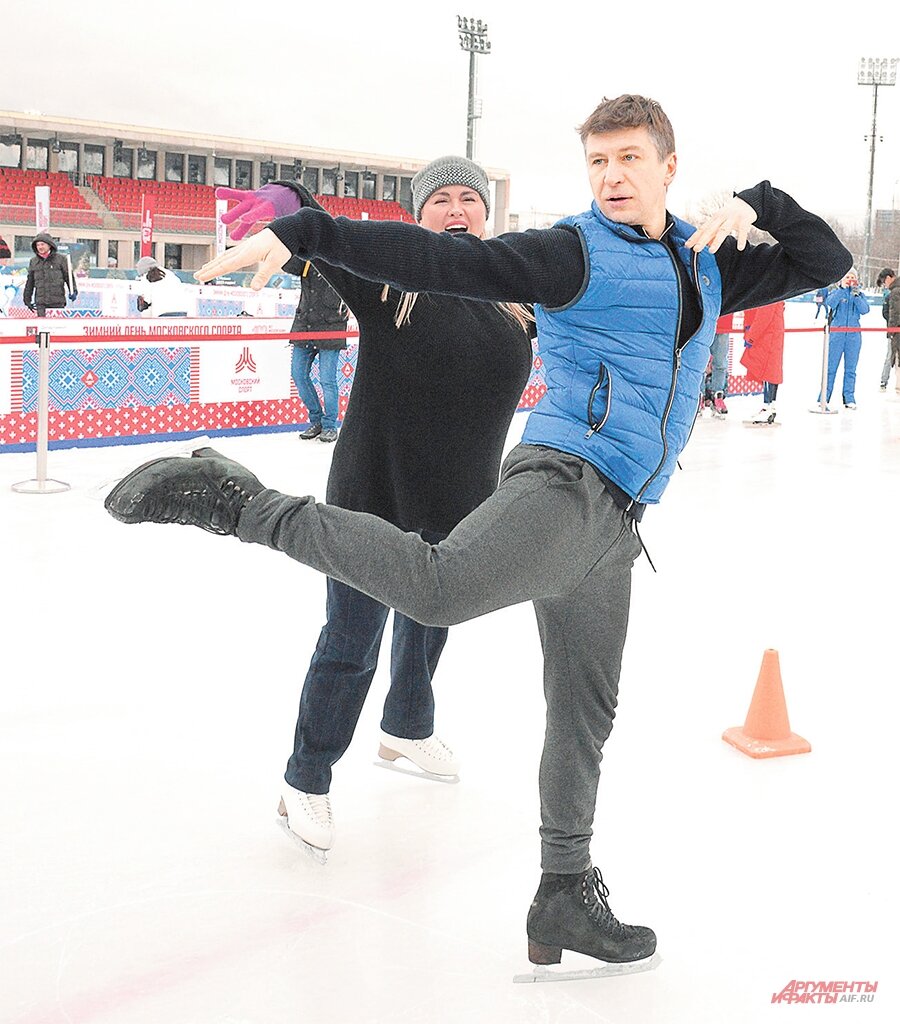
column 606, row 971
column 416, row 773
column 753, row 423
column 313, row 852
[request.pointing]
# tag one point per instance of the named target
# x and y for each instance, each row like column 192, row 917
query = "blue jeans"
column 339, row 677
column 769, row 392
column 719, row 352
column 301, row 364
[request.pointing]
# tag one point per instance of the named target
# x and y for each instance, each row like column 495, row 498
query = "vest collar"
column 678, row 229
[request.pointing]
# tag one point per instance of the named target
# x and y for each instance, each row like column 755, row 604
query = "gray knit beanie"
column 144, row 264
column 449, row 170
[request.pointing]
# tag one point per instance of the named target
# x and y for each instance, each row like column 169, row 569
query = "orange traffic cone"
column 767, row 731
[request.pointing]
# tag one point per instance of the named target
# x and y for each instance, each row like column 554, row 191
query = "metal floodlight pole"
column 474, row 41
column 873, row 71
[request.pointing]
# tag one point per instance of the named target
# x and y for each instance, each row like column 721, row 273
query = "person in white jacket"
column 160, row 292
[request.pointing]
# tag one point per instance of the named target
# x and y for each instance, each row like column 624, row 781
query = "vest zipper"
column 676, row 366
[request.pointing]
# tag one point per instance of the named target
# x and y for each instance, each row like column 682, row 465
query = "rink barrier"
column 42, row 484
column 827, row 330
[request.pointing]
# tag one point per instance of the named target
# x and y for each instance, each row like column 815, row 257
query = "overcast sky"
column 764, row 89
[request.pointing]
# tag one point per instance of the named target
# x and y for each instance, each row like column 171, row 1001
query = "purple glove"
column 265, row 203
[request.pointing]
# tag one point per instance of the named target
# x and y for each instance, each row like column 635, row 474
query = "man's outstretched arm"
column 808, row 254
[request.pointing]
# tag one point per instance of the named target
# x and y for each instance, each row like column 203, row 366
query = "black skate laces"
column 594, row 895
column 212, row 508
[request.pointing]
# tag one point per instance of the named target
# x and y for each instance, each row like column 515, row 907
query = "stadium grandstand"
column 99, row 173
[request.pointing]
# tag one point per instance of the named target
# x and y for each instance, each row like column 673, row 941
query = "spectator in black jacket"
column 320, row 311
column 50, row 277
column 892, row 301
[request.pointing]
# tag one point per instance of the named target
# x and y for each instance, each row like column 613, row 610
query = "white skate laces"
column 430, row 755
column 308, row 816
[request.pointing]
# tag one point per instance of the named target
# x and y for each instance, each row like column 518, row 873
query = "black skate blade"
column 417, row 773
column 591, row 974
column 313, row 852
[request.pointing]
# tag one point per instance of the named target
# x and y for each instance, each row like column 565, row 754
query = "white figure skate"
column 431, row 757
column 306, row 818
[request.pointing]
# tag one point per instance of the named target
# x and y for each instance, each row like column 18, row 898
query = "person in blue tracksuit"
column 627, row 298
column 846, row 304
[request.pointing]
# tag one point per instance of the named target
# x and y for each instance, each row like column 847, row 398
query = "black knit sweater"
column 547, row 266
column 423, row 435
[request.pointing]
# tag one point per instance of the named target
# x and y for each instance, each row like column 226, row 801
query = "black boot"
column 206, row 490
column 572, row 912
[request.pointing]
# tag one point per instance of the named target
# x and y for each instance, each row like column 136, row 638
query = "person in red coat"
column 764, row 352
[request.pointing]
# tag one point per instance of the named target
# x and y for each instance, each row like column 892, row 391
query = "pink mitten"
column 265, row 203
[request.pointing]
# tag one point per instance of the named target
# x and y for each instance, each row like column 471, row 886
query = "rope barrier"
column 207, row 336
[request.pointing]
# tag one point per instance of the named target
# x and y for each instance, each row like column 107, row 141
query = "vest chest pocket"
column 599, row 404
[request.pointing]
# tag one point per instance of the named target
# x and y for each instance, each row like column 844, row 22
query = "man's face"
column 42, row 248
column 628, row 179
column 889, row 280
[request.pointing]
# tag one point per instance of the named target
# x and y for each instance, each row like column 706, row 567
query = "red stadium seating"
column 182, row 208
column 67, row 204
column 176, row 207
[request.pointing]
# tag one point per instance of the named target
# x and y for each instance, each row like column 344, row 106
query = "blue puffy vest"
column 619, row 393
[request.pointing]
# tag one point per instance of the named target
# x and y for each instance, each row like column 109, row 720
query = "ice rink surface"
column 150, row 679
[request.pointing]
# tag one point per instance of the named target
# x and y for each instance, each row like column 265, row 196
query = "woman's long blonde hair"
column 515, row 310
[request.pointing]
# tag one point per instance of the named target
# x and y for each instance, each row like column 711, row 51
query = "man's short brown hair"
column 630, row 111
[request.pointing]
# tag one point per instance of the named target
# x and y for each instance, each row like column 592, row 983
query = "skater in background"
column 160, row 292
column 884, row 281
column 819, row 298
column 50, row 279
column 763, row 354
column 628, row 300
column 714, row 392
column 407, row 455
column 320, row 311
column 846, row 304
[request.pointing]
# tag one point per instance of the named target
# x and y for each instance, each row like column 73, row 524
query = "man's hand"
column 735, row 218
column 265, row 203
column 264, row 248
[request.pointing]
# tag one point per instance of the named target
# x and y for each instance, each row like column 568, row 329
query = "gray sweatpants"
column 550, row 534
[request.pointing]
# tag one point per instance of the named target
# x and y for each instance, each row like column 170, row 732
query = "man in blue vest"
column 627, row 298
